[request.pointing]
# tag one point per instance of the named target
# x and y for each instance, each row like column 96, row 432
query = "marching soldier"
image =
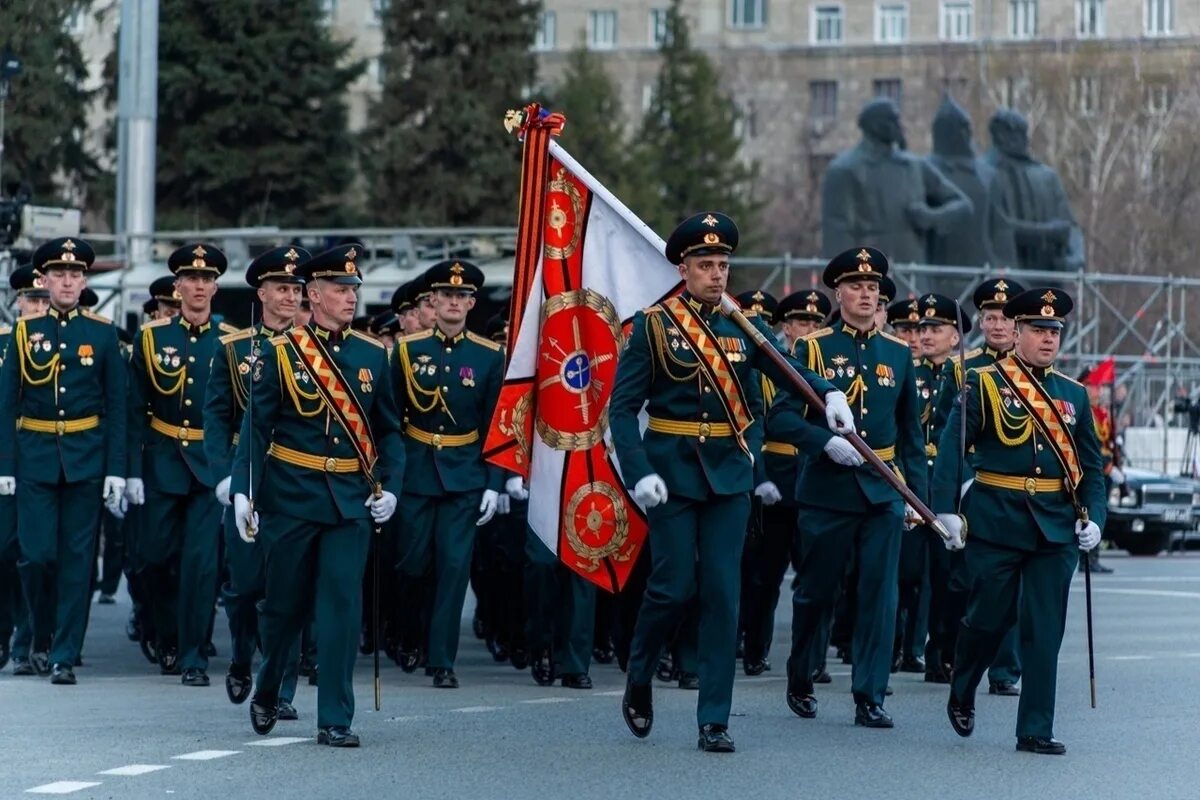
column 446, row 381
column 847, row 513
column 692, row 368
column 164, row 299
column 1038, row 498
column 904, row 316
column 273, row 274
column 62, row 430
column 404, row 305
column 320, row 454
column 168, row 469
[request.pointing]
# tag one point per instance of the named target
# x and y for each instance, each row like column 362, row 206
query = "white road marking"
column 135, row 769
column 62, row 787
column 1130, row 658
column 410, row 718
column 476, row 709
column 278, row 741
column 548, row 700
column 1142, row 592
column 205, row 755
column 617, row 693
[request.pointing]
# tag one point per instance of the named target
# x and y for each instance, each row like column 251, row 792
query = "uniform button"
column 1039, row 447
column 441, row 428
column 62, row 390
column 187, row 402
column 62, row 413
column 445, row 388
column 189, row 380
column 447, row 369
column 448, row 350
column 63, row 324
column 702, row 440
column 1037, row 470
column 704, row 415
column 862, row 433
column 186, row 423
column 192, row 340
column 863, row 346
column 183, row 444
column 707, row 389
column 62, row 346
column 191, row 359
column 864, row 411
column 337, row 349
column 930, row 462
column 62, row 367
column 336, row 440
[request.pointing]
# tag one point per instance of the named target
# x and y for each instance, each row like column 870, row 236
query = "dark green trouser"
column 1007, row 664
column 912, row 607
column 56, row 524
column 247, row 579
column 11, row 605
column 1008, row 585
column 561, row 609
column 765, row 562
column 437, row 535
column 831, row 538
column 696, row 551
column 309, row 563
column 178, row 546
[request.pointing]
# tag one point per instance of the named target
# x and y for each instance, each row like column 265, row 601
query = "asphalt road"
column 125, row 732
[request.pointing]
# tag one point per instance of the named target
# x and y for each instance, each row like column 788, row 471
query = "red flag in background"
column 1103, row 373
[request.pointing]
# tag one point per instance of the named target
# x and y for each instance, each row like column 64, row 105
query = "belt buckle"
column 182, row 434
column 705, row 429
column 331, row 464
column 436, row 440
column 60, row 427
column 1031, row 486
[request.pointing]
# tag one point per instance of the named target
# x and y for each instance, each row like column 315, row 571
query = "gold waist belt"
column 779, row 449
column 887, row 453
column 176, row 432
column 702, row 430
column 440, row 440
column 58, row 426
column 309, row 461
column 1017, row 483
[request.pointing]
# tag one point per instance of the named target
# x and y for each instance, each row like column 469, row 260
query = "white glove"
column 650, row 491
column 488, row 507
column 515, row 488
column 1088, row 533
column 114, row 487
column 842, row 452
column 382, row 507
column 953, row 525
column 120, row 508
column 911, row 518
column 504, row 504
column 245, row 518
column 1116, row 476
column 135, row 490
column 768, row 492
column 8, row 485
column 838, row 414
column 966, row 487
column 222, row 490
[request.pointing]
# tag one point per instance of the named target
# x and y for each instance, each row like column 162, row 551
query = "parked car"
column 1151, row 511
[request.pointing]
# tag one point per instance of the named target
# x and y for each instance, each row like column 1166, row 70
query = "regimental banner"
column 584, row 265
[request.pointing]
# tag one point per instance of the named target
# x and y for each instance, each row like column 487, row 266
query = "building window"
column 746, row 125
column 823, row 99
column 827, row 24
column 1158, row 98
column 546, row 34
column 1160, row 17
column 658, row 26
column 1085, row 95
column 1089, row 18
column 1016, row 92
column 957, row 23
column 891, row 23
column 375, row 71
column 747, row 13
column 602, row 30
column 891, row 88
column 1022, row 19
column 649, row 96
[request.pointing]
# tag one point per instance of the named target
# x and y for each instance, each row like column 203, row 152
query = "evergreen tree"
column 688, row 140
column 595, row 130
column 46, row 111
column 252, row 122
column 435, row 151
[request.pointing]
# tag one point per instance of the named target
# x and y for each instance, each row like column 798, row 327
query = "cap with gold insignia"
column 762, row 303
column 702, row 234
column 996, row 292
column 454, row 274
column 1042, row 308
column 805, row 304
column 497, row 329
column 88, row 298
column 162, row 290
column 64, row 253
column 362, row 323
column 337, row 264
column 904, row 312
column 856, row 264
column 204, row 259
column 150, row 307
column 27, row 283
column 401, row 299
column 277, row 264
column 937, row 309
column 385, row 323
column 887, row 290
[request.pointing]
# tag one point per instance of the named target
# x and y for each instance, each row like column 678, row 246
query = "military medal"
column 364, row 377
column 258, row 371
column 86, row 355
column 840, row 362
column 467, row 374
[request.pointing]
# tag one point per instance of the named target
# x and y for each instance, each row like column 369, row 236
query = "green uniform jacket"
column 63, row 366
column 447, row 387
column 876, row 372
column 667, row 381
column 931, row 383
column 1013, row 518
column 169, row 372
column 287, row 411
column 225, row 398
column 782, row 470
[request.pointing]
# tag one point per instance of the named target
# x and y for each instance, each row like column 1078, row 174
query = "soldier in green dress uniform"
column 319, row 452
column 273, row 275
column 849, row 513
column 446, row 381
column 1038, row 498
column 165, row 297
column 168, row 469
column 693, row 369
column 904, row 316
column 63, row 392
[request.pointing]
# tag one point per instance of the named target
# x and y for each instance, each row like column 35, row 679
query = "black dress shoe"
column 194, row 677
column 577, row 681
column 498, row 650
column 106, row 600
column 689, row 681
column 1041, row 745
column 409, row 659
column 519, row 658
column 314, row 675
column 5, row 652
column 637, row 707
column 603, row 655
column 133, row 628
column 168, row 661
column 936, row 674
column 665, row 671
column 821, row 676
column 897, row 660
column 871, row 715
column 802, row 702
column 1100, row 569
column 41, row 662
column 149, row 649
column 263, row 715
column 444, row 679
column 1003, row 688
column 962, row 717
column 286, row 712
column 238, row 684
column 844, row 654
column 22, row 666
column 542, row 668
column 754, row 666
column 62, row 675
column 337, row 736
column 912, row 664
column 715, row 739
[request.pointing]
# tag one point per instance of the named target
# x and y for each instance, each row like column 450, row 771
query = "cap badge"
column 1049, row 297
column 291, row 254
column 931, row 312
column 710, row 221
column 38, row 283
column 711, row 238
column 1001, row 297
column 1047, row 311
column 456, row 278
column 1001, row 286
